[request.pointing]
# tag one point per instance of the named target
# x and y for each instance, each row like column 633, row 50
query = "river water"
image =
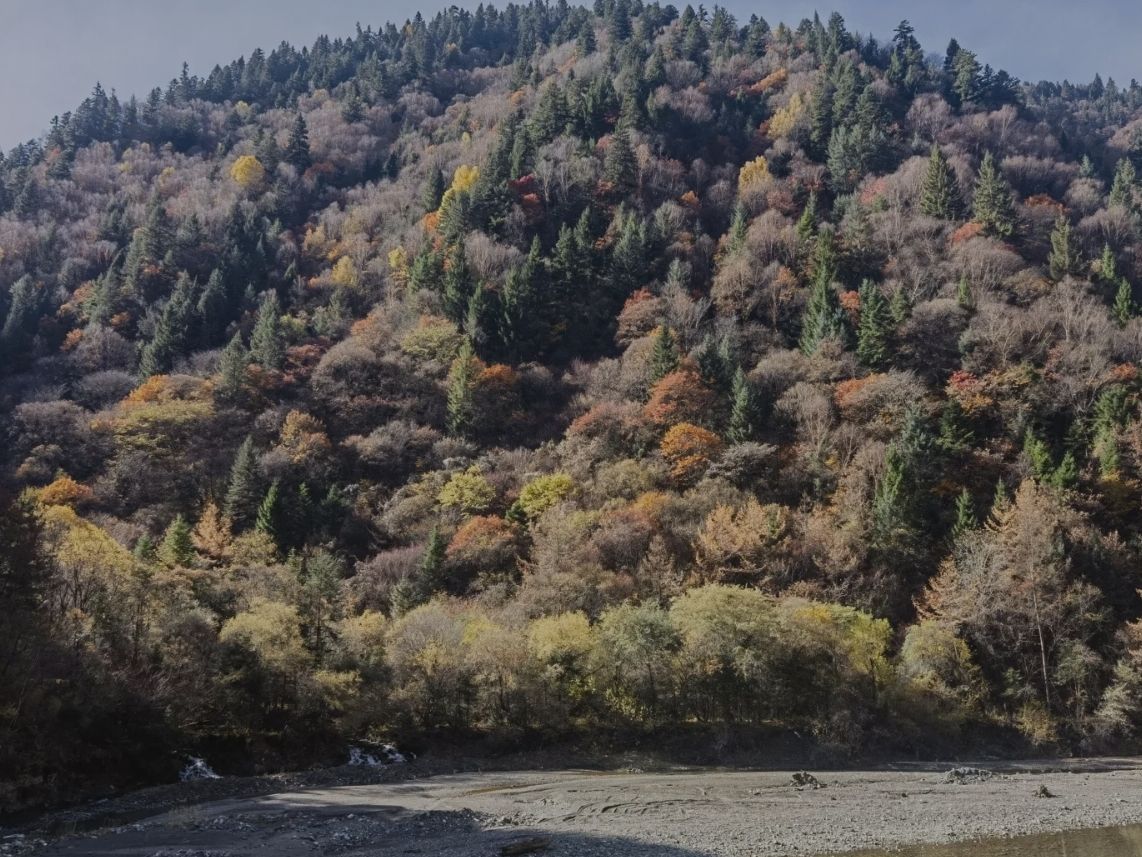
column 1106, row 842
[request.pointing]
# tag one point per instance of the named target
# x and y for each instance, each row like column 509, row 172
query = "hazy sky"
column 53, row 51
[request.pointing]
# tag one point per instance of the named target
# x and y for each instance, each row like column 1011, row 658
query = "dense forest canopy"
column 533, row 371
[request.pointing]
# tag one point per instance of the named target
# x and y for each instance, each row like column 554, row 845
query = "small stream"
column 1104, row 842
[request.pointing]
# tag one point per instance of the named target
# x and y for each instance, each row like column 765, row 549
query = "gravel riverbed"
column 668, row 813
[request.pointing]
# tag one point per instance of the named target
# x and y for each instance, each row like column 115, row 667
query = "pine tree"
column 171, row 333
column 232, row 368
column 940, row 194
column 270, row 514
column 889, row 503
column 824, row 318
column 663, row 355
column 874, row 329
column 620, row 167
column 25, row 306
column 266, row 347
column 432, row 563
column 434, row 187
column 806, row 224
column 1108, row 266
column 1124, row 307
column 744, row 411
column 297, row 149
column 213, row 310
column 1038, row 455
column 965, row 515
column 1062, row 260
column 964, row 297
column 1066, row 475
column 177, row 548
column 457, row 283
column 460, row 382
column 244, row 491
column 993, row 206
column 1123, row 188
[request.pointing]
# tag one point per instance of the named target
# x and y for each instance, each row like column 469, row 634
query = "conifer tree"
column 177, row 548
column 1123, row 188
column 1062, row 261
column 244, row 491
column 993, row 206
column 619, row 165
column 269, row 517
column 266, row 346
column 232, row 367
column 297, row 150
column 213, row 310
column 170, row 339
column 824, row 318
column 965, row 515
column 460, row 382
column 940, row 194
column 874, row 329
column 744, row 410
column 663, row 355
column 457, row 283
column 1108, row 266
column 434, row 187
column 964, row 297
column 1124, row 307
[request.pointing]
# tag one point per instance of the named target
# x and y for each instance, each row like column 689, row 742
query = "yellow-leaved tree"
column 248, row 172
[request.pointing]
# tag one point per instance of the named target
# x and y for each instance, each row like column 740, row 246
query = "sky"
column 53, row 51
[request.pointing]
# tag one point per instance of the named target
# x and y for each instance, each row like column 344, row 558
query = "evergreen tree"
column 25, row 307
column 875, row 327
column 297, row 149
column 171, row 333
column 940, row 194
column 993, row 206
column 461, row 379
column 434, row 187
column 177, row 547
column 663, row 355
column 1125, row 180
column 1063, row 261
column 965, row 515
column 824, row 318
column 457, row 283
column 232, row 368
column 807, row 224
column 1066, row 475
column 964, row 297
column 266, row 346
column 213, row 310
column 1124, row 307
column 1108, row 266
column 745, row 415
column 244, row 491
column 620, row 167
column 270, row 514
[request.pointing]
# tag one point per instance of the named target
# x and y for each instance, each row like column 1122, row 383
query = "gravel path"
column 730, row 814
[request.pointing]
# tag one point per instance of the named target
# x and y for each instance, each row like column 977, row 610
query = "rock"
column 967, row 775
column 526, row 846
column 804, row 780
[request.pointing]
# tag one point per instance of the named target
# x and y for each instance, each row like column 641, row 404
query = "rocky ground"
column 582, row 813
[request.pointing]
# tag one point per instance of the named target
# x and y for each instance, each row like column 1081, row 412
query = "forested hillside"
column 545, row 370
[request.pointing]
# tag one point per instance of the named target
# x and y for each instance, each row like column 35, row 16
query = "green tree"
column 663, row 355
column 993, row 206
column 177, row 547
column 244, row 491
column 823, row 319
column 875, row 327
column 620, row 167
column 433, row 191
column 1063, row 260
column 964, row 297
column 266, row 346
column 745, row 410
column 232, row 368
column 271, row 514
column 939, row 196
column 1124, row 306
column 461, row 380
column 1125, row 182
column 965, row 519
column 171, row 333
column 297, row 150
column 213, row 310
